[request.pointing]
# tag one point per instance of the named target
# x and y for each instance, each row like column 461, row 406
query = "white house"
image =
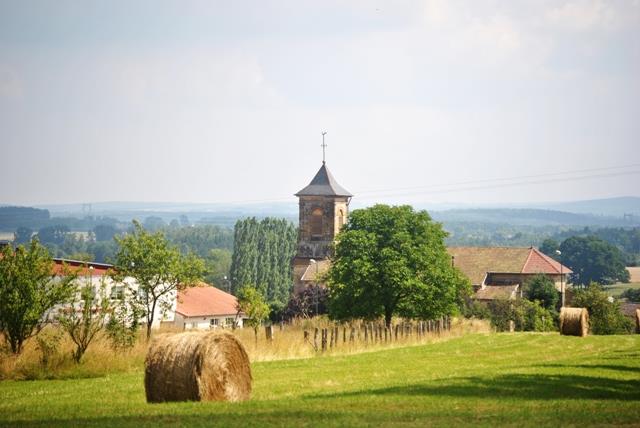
column 206, row 307
column 97, row 275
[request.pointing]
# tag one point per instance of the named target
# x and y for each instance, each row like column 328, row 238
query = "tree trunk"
column 388, row 313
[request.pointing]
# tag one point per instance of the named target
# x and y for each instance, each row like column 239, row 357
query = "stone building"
column 323, row 209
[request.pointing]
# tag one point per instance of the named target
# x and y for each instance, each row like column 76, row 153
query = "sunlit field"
column 482, row 379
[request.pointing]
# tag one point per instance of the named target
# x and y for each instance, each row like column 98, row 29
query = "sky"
column 432, row 101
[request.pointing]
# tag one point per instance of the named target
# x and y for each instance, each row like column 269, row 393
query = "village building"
column 205, row 307
column 323, row 210
column 96, row 275
column 501, row 272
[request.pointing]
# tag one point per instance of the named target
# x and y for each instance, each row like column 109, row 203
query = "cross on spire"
column 323, row 145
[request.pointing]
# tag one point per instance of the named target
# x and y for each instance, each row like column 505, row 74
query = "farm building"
column 500, row 272
column 206, row 307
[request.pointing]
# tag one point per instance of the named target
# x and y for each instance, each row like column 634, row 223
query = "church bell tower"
column 323, row 210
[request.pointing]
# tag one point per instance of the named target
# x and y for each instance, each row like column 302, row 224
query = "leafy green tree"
column 540, row 287
column 605, row 316
column 85, row 317
column 158, row 269
column 392, row 261
column 262, row 256
column 28, row 292
column 217, row 263
column 254, row 306
column 124, row 319
column 549, row 247
column 593, row 260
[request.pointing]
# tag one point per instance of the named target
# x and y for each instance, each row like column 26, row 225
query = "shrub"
column 631, row 294
column 541, row 288
column 526, row 315
column 605, row 316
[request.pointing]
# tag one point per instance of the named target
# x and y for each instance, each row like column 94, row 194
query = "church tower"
column 323, row 209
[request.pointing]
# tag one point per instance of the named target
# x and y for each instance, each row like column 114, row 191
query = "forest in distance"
column 212, row 237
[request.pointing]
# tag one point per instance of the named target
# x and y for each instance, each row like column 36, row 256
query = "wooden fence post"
column 324, row 339
column 332, row 338
column 268, row 331
column 315, row 339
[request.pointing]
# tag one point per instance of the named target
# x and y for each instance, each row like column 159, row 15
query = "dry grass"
column 100, row 359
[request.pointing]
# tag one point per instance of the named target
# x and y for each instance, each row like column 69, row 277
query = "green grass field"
column 481, row 380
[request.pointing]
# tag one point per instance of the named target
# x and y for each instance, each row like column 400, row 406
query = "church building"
column 323, row 210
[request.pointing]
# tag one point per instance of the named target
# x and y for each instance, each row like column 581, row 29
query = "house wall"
column 521, row 278
column 204, row 322
column 111, row 291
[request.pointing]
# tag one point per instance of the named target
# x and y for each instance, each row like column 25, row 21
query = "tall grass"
column 288, row 343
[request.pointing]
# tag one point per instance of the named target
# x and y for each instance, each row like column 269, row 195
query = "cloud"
column 588, row 15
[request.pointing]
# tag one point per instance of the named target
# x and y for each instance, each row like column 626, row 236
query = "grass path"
column 481, row 380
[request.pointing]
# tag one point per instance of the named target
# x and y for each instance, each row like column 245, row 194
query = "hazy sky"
column 205, row 101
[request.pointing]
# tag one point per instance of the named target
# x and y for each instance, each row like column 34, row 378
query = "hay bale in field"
column 574, row 321
column 197, row 367
column 637, row 320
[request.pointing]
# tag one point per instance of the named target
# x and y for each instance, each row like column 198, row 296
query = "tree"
column 254, row 306
column 549, row 247
column 22, row 235
column 392, row 261
column 262, row 255
column 124, row 319
column 542, row 288
column 217, row 263
column 53, row 234
column 85, row 317
column 28, row 292
column 310, row 302
column 604, row 312
column 104, row 232
column 593, row 260
column 158, row 269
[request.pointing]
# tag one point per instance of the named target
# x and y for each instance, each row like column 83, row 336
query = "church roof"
column 323, row 184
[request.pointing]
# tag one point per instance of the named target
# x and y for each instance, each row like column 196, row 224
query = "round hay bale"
column 197, row 367
column 574, row 321
column 637, row 320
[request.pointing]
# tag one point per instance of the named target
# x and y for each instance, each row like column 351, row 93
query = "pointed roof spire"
column 323, row 184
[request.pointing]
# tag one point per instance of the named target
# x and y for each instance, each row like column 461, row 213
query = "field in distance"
column 521, row 379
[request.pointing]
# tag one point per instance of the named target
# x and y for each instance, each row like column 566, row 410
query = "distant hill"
column 530, row 217
column 615, row 207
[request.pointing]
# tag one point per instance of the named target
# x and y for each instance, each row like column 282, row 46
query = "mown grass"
column 480, row 379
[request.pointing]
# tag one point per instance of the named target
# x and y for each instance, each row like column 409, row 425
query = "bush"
column 476, row 309
column 631, row 294
column 526, row 315
column 605, row 316
column 541, row 288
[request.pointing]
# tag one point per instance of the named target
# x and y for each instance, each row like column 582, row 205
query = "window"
column 316, row 222
column 229, row 322
column 214, row 322
column 117, row 292
column 340, row 219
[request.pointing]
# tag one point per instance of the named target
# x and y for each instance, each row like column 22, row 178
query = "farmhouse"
column 206, row 307
column 500, row 272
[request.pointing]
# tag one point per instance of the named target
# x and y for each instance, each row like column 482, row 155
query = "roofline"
column 81, row 262
column 209, row 315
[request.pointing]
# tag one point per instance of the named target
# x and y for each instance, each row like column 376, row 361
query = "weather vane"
column 323, row 145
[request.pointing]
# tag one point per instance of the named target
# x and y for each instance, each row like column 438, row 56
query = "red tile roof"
column 476, row 262
column 81, row 268
column 538, row 262
column 205, row 300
